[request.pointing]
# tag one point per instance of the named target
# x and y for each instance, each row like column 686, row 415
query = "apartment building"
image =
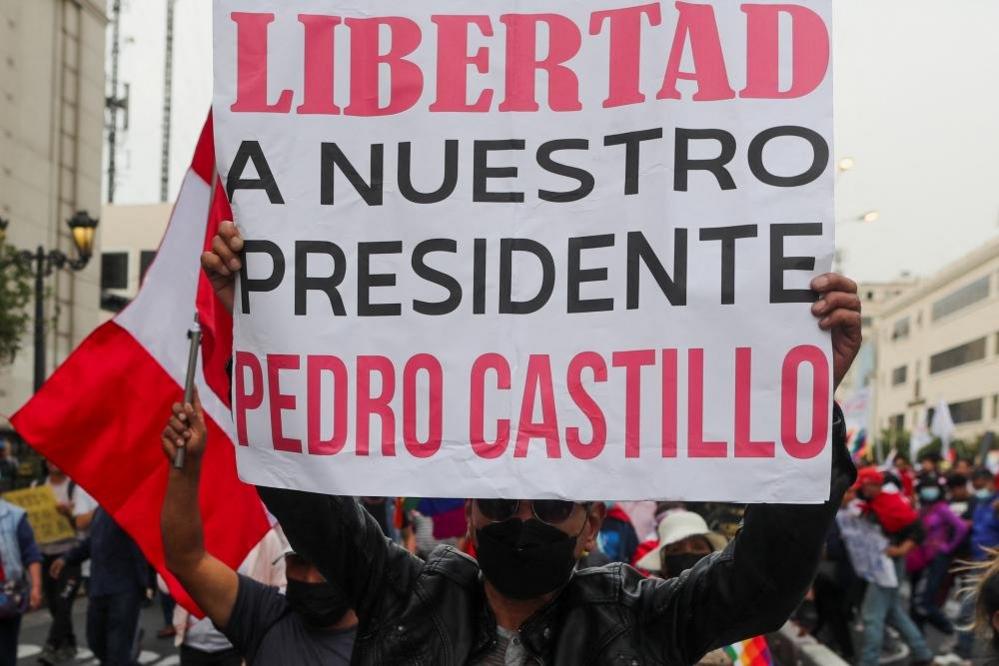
column 52, row 94
column 939, row 340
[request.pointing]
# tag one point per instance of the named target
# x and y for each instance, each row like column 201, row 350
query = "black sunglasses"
column 550, row 512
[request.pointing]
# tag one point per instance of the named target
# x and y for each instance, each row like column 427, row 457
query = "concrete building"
column 130, row 238
column 873, row 296
column 939, row 340
column 51, row 136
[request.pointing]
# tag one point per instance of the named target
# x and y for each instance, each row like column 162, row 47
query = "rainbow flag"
column 752, row 652
column 858, row 443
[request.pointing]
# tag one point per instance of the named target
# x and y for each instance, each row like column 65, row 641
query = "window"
column 967, row 411
column 896, row 423
column 958, row 356
column 962, row 298
column 899, row 375
column 900, row 330
column 114, row 270
column 145, row 261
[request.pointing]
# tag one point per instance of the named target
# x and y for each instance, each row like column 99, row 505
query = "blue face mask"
column 983, row 493
column 929, row 495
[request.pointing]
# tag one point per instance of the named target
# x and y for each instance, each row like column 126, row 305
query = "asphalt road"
column 35, row 627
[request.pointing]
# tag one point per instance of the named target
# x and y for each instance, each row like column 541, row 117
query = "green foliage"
column 15, row 294
column 891, row 439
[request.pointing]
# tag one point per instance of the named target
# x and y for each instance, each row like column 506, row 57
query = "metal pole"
column 39, row 317
column 112, row 101
column 167, row 104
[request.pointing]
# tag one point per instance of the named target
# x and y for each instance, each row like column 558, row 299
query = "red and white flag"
column 100, row 415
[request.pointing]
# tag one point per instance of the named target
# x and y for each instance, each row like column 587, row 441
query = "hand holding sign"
column 838, row 308
column 222, row 263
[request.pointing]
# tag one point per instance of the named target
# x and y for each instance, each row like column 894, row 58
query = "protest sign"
column 48, row 524
column 865, row 546
column 554, row 249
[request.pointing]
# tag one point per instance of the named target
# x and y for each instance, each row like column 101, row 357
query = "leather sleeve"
column 754, row 585
column 346, row 544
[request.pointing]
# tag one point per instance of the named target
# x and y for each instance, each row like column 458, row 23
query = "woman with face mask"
column 684, row 541
column 929, row 562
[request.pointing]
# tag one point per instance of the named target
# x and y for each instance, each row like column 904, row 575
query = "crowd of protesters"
column 939, row 525
column 906, row 551
column 376, row 580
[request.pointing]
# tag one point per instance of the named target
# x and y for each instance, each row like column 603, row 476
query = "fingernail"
column 234, row 265
column 182, row 416
column 818, row 307
column 824, row 322
column 820, row 282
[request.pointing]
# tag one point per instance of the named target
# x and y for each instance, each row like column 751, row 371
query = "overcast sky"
column 917, row 108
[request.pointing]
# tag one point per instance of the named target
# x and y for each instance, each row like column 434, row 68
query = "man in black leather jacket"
column 449, row 610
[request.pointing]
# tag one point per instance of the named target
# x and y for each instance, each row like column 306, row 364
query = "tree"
column 15, row 293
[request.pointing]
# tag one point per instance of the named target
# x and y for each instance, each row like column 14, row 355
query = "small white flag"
column 942, row 426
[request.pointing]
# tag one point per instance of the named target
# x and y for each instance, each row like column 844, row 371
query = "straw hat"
column 675, row 527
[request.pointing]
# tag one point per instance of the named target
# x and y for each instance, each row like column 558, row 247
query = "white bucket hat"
column 675, row 527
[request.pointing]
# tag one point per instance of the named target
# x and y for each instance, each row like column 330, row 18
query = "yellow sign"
column 48, row 524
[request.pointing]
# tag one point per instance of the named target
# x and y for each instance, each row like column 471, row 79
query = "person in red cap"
column 900, row 524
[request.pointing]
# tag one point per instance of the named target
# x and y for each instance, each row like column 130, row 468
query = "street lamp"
column 82, row 228
column 867, row 218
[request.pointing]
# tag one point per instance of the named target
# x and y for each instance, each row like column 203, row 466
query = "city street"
column 35, row 626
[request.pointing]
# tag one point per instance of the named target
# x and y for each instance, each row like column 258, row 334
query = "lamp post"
column 82, row 228
column 868, row 217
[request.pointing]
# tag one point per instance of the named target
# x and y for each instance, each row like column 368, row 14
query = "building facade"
column 130, row 238
column 939, row 340
column 51, row 138
column 874, row 296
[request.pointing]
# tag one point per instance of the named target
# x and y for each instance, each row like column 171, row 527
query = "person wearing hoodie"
column 929, row 562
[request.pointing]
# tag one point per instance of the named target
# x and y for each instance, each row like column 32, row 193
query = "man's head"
column 529, row 548
column 929, row 463
column 684, row 539
column 320, row 604
column 869, row 482
column 929, row 489
column 55, row 473
column 983, row 482
column 957, row 488
column 901, row 463
column 964, row 466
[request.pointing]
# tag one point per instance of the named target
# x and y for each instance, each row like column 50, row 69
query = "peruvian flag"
column 100, row 415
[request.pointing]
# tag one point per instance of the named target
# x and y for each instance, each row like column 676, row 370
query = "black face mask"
column 320, row 605
column 674, row 565
column 524, row 560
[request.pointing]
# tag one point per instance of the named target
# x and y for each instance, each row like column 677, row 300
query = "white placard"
column 552, row 248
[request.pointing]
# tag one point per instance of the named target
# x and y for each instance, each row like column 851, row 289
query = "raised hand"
column 222, row 262
column 838, row 311
column 186, row 427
